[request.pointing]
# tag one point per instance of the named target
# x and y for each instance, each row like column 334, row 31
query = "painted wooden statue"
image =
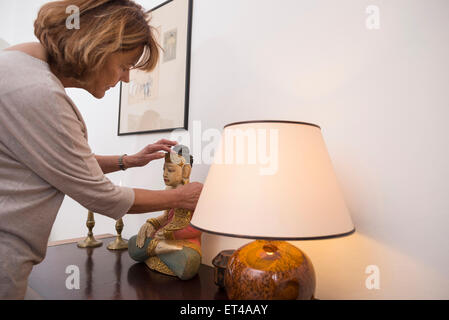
column 168, row 243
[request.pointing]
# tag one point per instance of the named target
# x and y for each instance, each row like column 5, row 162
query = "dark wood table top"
column 106, row 275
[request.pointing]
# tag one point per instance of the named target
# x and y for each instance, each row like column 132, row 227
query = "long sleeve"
column 44, row 155
column 48, row 135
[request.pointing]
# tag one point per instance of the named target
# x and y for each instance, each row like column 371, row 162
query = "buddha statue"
column 167, row 243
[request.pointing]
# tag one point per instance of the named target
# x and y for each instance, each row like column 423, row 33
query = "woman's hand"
column 150, row 152
column 189, row 195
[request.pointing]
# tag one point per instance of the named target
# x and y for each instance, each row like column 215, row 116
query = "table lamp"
column 271, row 181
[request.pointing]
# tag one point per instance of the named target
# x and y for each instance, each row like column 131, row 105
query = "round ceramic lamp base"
column 265, row 270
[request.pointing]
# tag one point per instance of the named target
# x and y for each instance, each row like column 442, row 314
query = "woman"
column 44, row 153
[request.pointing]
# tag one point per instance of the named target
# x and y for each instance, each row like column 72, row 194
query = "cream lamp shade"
column 272, row 180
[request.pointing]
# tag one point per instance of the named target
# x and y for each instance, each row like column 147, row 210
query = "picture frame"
column 158, row 101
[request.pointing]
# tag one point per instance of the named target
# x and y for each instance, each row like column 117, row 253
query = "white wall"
column 380, row 97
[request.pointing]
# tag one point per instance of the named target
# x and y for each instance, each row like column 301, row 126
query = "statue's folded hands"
column 149, row 229
column 166, row 247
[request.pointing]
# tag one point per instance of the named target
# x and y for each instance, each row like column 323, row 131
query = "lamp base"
column 269, row 270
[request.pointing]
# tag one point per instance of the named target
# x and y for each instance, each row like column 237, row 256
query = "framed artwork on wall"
column 158, row 101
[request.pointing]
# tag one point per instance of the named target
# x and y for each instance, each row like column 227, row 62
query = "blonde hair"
column 106, row 27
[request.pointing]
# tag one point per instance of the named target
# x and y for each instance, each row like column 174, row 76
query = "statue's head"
column 177, row 166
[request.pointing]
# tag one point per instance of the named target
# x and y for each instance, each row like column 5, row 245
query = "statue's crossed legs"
column 179, row 258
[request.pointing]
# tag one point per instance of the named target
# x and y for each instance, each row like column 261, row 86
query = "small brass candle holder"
column 118, row 243
column 90, row 241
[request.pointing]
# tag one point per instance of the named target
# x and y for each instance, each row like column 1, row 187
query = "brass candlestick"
column 118, row 243
column 90, row 241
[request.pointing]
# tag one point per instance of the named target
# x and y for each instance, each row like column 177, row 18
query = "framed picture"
column 158, row 101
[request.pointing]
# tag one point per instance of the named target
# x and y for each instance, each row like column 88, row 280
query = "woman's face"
column 116, row 69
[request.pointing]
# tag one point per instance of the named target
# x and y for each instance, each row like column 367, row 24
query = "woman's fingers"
column 167, row 142
column 154, row 151
column 158, row 147
column 157, row 155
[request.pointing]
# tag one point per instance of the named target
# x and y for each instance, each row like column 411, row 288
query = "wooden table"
column 106, row 274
